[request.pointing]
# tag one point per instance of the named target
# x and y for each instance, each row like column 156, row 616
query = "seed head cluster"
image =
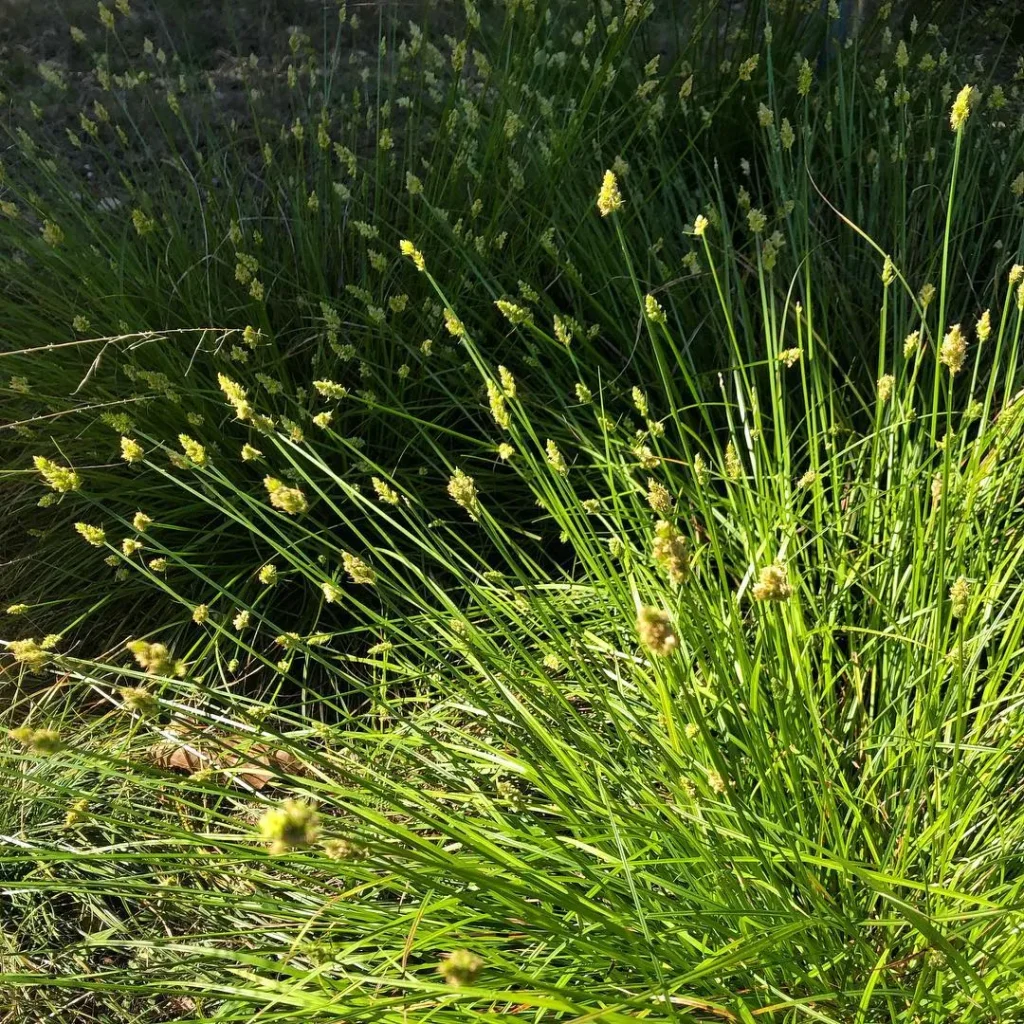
column 671, row 552
column 609, row 198
column 773, row 584
column 287, row 499
column 291, row 825
column 461, row 967
column 656, row 631
column 462, row 491
column 953, row 351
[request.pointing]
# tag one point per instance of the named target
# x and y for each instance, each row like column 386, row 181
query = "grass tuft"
column 514, row 512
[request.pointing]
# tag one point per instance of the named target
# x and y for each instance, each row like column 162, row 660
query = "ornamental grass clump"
column 616, row 617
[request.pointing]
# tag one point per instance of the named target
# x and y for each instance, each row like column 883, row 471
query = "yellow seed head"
column 38, row 741
column 499, row 409
column 563, row 327
column 656, row 631
column 385, row 493
column 236, row 396
column 653, row 309
column 52, row 234
column 358, row 570
column 983, row 328
column 94, row 535
column 195, row 452
column 75, row 813
column 131, row 450
column 555, row 458
column 291, row 825
column 733, row 465
column 460, row 968
column 462, row 490
column 410, row 250
column 153, row 657
column 658, row 497
column 61, row 478
column 139, row 700
column 342, row 849
column 29, row 653
column 609, row 198
column 773, row 584
column 453, row 324
column 670, row 552
column 328, row 389
column 143, row 223
column 287, row 499
column 513, row 312
column 911, row 344
column 959, row 594
column 803, row 81
column 953, row 350
column 961, row 108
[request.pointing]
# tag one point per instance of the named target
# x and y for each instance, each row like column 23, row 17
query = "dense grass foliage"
column 514, row 514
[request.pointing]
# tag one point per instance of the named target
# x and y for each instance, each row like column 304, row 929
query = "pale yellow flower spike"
column 953, row 350
column 983, row 328
column 656, row 631
column 773, row 584
column 961, row 109
column 410, row 250
column 609, row 199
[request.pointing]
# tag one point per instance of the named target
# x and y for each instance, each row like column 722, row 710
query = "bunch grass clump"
column 552, row 550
